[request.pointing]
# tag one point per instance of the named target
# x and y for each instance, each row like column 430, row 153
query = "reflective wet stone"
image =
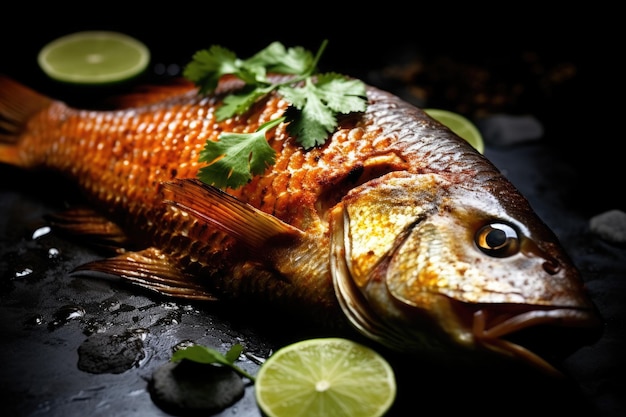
column 110, row 353
column 188, row 388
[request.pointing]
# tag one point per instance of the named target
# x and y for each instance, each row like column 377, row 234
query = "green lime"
column 94, row 57
column 325, row 377
column 459, row 125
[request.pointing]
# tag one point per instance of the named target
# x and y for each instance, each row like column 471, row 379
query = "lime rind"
column 94, row 57
column 459, row 125
column 320, row 376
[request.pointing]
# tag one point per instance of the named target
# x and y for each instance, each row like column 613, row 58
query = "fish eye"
column 498, row 240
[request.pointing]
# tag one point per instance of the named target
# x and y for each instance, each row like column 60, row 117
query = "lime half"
column 325, row 377
column 94, row 57
column 459, row 125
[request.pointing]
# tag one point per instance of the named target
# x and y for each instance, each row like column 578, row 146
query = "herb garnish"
column 314, row 99
column 207, row 355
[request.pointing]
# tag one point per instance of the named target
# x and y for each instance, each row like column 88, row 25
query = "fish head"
column 423, row 263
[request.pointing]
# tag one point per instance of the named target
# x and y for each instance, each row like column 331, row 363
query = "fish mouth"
column 539, row 336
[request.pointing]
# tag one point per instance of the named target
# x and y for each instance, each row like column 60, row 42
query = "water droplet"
column 94, row 326
column 170, row 306
column 35, row 320
column 23, row 273
column 254, row 358
column 136, row 393
column 111, row 305
column 183, row 345
column 139, row 333
column 126, row 307
column 66, row 314
column 42, row 231
column 173, row 317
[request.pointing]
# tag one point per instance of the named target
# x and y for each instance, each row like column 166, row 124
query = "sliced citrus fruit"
column 325, row 377
column 94, row 57
column 459, row 125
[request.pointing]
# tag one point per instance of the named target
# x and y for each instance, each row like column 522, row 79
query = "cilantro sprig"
column 207, row 355
column 315, row 101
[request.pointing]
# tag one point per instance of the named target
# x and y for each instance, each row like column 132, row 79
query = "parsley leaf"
column 315, row 101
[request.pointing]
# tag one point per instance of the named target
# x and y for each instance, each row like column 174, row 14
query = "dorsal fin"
column 154, row 93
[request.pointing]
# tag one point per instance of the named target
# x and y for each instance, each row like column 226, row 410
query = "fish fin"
column 18, row 104
column 152, row 270
column 144, row 95
column 90, row 226
column 247, row 224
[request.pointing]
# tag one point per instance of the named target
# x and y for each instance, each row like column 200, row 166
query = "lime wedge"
column 459, row 125
column 325, row 377
column 94, row 57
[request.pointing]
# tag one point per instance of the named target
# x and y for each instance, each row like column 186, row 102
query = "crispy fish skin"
column 396, row 224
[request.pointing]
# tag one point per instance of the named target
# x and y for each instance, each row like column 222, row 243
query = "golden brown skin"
column 395, row 223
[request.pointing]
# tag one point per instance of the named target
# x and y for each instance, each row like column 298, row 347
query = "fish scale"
column 395, row 228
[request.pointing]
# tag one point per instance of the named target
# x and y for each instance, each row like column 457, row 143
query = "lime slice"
column 93, row 57
column 459, row 125
column 325, row 377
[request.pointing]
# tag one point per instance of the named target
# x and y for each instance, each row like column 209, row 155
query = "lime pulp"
column 94, row 57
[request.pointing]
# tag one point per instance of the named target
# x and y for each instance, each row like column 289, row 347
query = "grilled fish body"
column 396, row 224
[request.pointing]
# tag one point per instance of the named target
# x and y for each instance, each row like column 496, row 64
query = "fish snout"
column 539, row 335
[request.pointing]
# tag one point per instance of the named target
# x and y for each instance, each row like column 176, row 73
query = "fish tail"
column 18, row 104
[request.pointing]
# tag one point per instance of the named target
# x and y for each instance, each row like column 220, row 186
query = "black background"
column 584, row 113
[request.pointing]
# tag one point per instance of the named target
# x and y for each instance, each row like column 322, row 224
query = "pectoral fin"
column 208, row 204
column 150, row 269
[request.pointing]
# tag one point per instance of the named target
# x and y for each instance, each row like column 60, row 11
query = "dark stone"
column 103, row 353
column 190, row 388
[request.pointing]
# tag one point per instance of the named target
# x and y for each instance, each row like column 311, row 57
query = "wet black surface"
column 48, row 317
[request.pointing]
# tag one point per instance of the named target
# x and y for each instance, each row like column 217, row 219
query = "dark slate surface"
column 569, row 174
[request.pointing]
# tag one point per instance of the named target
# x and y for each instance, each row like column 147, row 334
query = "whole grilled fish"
column 395, row 225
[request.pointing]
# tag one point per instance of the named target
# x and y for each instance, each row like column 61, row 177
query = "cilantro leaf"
column 208, row 66
column 311, row 124
column 341, row 94
column 236, row 104
column 276, row 58
column 236, row 157
column 205, row 355
column 319, row 104
column 233, row 353
column 315, row 102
